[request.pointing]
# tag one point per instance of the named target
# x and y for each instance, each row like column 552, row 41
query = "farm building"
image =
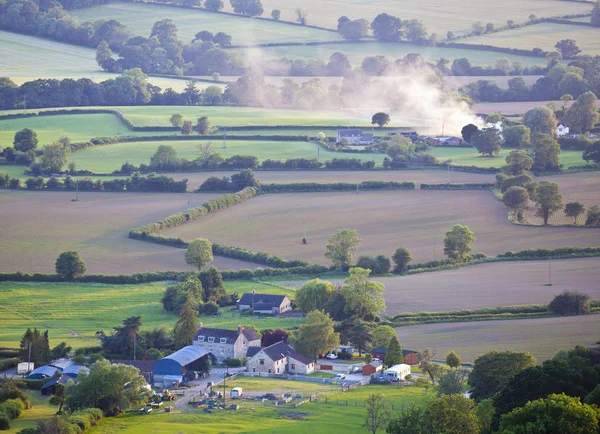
column 354, row 136
column 397, row 372
column 50, row 386
column 145, row 367
column 43, row 372
column 372, row 368
column 408, row 134
column 444, row 141
column 179, row 365
column 226, row 344
column 268, row 304
column 410, row 357
column 73, row 370
column 280, row 358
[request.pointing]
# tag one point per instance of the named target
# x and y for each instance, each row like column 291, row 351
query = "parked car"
column 339, row 377
column 331, row 356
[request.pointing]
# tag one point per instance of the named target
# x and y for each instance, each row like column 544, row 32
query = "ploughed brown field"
column 541, row 337
column 386, row 220
column 488, row 285
column 37, row 226
column 285, row 177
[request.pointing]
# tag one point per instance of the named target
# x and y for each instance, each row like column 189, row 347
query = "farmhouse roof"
column 262, row 300
column 281, row 350
column 367, row 137
column 350, row 132
column 250, row 334
column 75, row 369
column 252, row 351
column 230, row 336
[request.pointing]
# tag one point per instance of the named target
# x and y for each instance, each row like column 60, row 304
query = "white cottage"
column 279, row 358
column 561, row 130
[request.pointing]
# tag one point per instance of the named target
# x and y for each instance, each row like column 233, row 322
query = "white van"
column 236, row 393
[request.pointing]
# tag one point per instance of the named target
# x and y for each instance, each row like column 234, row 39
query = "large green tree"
column 314, row 294
column 516, row 199
column 517, row 162
column 401, row 258
column 111, row 388
column 199, row 253
column 59, row 397
column 541, row 120
column 316, row 336
column 69, row 265
column 592, row 152
column 176, row 295
column 249, row 8
column 364, row 298
column 488, row 141
column 341, row 247
column 554, row 414
column 567, row 48
column 453, row 360
column 493, row 370
column 35, row 347
column 56, row 156
column 380, row 118
column 593, row 216
column 574, row 209
column 187, row 325
column 458, row 241
column 518, row 135
column 546, row 152
column 583, row 113
column 382, row 336
column 378, row 412
column 360, row 336
column 468, row 131
column 548, row 199
column 25, row 140
column 394, row 355
column 165, row 158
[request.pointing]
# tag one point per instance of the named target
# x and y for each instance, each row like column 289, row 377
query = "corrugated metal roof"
column 187, row 355
column 47, row 371
column 75, row 369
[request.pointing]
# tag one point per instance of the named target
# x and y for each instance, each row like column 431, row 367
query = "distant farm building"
column 444, row 141
column 73, row 370
column 408, row 134
column 397, row 372
column 43, row 372
column 410, row 357
column 354, row 136
column 49, row 387
column 179, row 366
column 267, row 304
column 562, row 130
column 372, row 368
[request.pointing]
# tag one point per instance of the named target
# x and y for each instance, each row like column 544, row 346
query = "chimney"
column 240, row 328
column 200, row 326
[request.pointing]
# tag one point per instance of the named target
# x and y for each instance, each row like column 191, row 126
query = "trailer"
column 24, row 368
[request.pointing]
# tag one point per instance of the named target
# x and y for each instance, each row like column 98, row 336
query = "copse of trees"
column 570, row 303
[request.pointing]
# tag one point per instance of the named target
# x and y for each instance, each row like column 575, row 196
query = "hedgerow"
column 550, row 253
column 480, row 186
column 338, row 186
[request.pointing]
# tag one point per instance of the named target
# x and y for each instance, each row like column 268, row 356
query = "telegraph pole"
column 224, row 138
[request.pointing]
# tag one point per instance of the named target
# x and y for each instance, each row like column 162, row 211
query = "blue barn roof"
column 173, row 364
column 43, row 372
column 74, row 370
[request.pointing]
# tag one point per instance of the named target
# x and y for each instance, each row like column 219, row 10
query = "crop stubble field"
column 38, row 226
column 542, row 337
column 416, row 220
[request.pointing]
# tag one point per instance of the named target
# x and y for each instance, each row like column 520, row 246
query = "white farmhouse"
column 561, row 130
column 279, row 358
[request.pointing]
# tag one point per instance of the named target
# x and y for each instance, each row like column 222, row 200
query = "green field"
column 64, row 308
column 544, row 36
column 139, row 19
column 343, row 412
column 357, row 52
column 40, row 411
column 106, row 159
column 470, row 157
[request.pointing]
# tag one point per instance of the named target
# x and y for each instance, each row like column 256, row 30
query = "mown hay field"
column 542, row 337
column 356, row 52
column 487, row 285
column 106, row 159
column 544, row 36
column 139, row 19
column 38, row 226
column 64, row 308
column 343, row 412
column 417, row 220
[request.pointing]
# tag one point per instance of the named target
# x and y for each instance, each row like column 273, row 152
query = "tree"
column 103, row 53
column 548, row 199
column 518, row 162
column 56, row 155
column 452, row 414
column 592, row 152
column 593, row 216
column 401, row 258
column 360, row 336
column 570, row 303
column 387, row 28
column 39, row 344
column 458, row 241
column 214, row 5
column 427, row 365
column 478, row 28
column 341, row 247
column 199, row 253
column 250, row 8
column 176, row 120
column 223, row 40
column 566, row 98
column 453, row 360
column 276, row 14
column 518, row 135
column 541, row 120
column 25, row 140
column 380, row 118
column 165, row 31
column 452, row 382
column 378, row 412
column 187, row 128
column 567, row 48
column 203, row 125
column 461, row 66
column 574, row 209
column 187, row 325
column 354, row 30
column 301, row 16
column 165, row 158
column 69, row 265
column 59, row 397
column 493, row 370
column 546, row 152
column 60, row 351
column 488, row 141
column 382, row 336
column 595, row 20
column 314, row 294
column 338, row 64
column 468, row 131
column 516, row 199
column 363, row 297
column 273, row 336
column 554, row 414
column 316, row 336
column 394, row 354
column 583, row 113
column 111, row 388
column 377, row 264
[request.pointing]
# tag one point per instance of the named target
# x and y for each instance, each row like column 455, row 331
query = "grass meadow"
column 386, row 220
column 544, row 36
column 343, row 412
column 83, row 309
column 139, row 19
column 41, row 411
column 542, row 337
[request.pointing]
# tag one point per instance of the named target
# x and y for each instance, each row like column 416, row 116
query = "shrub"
column 344, row 355
column 210, row 308
column 233, row 363
column 13, row 408
column 4, row 422
column 9, row 363
column 377, row 265
column 401, row 258
column 570, row 303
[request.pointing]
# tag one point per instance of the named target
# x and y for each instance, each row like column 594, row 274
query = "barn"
column 176, row 367
column 43, row 372
column 74, row 370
